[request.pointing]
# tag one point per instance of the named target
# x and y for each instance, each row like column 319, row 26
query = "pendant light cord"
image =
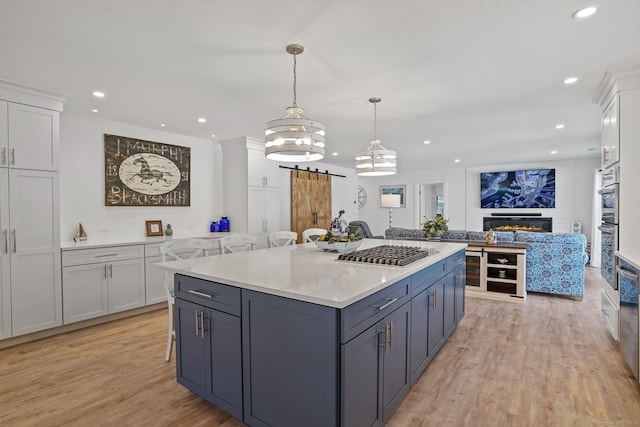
column 375, row 121
column 294, row 81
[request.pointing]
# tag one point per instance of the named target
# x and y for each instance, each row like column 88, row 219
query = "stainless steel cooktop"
column 388, row 255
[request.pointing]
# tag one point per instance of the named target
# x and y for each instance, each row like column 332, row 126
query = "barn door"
column 310, row 201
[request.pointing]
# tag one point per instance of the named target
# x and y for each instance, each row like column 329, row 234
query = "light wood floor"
column 549, row 362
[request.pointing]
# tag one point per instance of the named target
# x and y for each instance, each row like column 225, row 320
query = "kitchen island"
column 291, row 336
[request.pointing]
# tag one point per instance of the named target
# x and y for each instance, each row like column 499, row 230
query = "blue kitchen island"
column 292, row 336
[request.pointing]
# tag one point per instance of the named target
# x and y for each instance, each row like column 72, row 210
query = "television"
column 531, row 188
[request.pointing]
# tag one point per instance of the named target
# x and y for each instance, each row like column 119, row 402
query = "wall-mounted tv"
column 532, row 188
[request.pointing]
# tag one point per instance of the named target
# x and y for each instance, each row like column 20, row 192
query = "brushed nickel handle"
column 200, row 294
column 627, row 274
column 382, row 307
column 105, row 271
column 435, row 299
column 105, row 255
column 383, row 344
column 4, row 155
column 15, row 246
column 197, row 324
column 5, row 248
column 390, row 335
column 111, row 271
column 12, row 157
column 202, row 324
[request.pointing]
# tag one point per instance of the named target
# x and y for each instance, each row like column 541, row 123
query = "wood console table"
column 496, row 271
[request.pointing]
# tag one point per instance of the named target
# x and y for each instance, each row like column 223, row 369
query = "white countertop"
column 632, row 258
column 106, row 241
column 306, row 273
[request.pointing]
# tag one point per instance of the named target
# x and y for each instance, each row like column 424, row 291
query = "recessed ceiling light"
column 570, row 80
column 584, row 12
column 457, row 160
column 427, row 142
column 98, row 94
column 554, row 152
column 202, row 120
column 213, row 135
column 162, row 125
column 334, row 154
column 560, row 126
column 94, row 111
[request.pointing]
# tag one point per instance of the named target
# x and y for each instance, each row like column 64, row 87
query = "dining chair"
column 312, row 234
column 281, row 238
column 237, row 243
column 176, row 250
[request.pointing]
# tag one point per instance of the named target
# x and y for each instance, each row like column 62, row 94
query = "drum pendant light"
column 377, row 160
column 294, row 137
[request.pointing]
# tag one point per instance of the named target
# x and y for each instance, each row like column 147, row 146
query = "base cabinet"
column 294, row 363
column 376, row 370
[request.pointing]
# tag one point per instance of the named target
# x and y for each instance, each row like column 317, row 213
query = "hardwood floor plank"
column 548, row 362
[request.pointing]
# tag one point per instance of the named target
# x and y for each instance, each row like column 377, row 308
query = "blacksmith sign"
column 145, row 173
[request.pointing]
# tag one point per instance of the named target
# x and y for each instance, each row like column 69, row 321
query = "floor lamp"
column 390, row 201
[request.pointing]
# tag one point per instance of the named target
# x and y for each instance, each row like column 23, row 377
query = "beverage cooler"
column 627, row 278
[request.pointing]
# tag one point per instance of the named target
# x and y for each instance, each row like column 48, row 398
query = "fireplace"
column 517, row 223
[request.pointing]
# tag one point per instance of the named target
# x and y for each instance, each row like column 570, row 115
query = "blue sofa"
column 555, row 261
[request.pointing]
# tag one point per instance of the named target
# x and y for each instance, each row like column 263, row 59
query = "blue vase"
column 214, row 228
column 224, row 224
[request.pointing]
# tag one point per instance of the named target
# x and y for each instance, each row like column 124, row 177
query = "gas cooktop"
column 388, row 255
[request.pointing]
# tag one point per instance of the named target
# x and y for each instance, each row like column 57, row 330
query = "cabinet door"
column 436, row 316
column 154, row 281
column 261, row 171
column 459, row 293
column 34, row 240
column 271, row 209
column 33, row 137
column 449, row 304
column 84, row 292
column 126, row 284
column 5, row 284
column 395, row 361
column 4, row 135
column 190, row 347
column 224, row 372
column 361, row 381
column 420, row 356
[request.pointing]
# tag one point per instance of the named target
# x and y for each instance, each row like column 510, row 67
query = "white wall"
column 343, row 191
column 82, row 184
column 574, row 186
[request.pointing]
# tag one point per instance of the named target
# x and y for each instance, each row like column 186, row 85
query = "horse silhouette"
column 148, row 175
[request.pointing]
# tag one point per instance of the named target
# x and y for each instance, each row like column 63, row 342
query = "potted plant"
column 436, row 227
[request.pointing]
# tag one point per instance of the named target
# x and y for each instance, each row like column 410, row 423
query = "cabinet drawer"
column 428, row 276
column 456, row 260
column 96, row 255
column 209, row 294
column 360, row 315
column 610, row 314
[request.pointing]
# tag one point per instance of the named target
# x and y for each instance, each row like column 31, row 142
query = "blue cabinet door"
column 460, row 298
column 361, row 381
column 395, row 360
column 420, row 356
column 449, row 304
column 224, row 367
column 436, row 316
column 191, row 347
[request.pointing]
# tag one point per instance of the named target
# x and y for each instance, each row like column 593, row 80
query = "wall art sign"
column 146, row 173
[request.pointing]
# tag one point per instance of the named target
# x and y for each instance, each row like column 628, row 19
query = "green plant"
column 436, row 226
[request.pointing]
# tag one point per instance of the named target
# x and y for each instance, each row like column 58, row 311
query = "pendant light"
column 294, row 138
column 377, row 160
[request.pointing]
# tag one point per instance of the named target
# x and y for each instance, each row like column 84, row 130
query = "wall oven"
column 609, row 224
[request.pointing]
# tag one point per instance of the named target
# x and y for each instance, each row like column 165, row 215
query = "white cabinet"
column 32, row 137
column 610, row 133
column 30, row 246
column 100, row 281
column 252, row 194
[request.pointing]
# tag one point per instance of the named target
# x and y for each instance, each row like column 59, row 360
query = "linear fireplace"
column 517, row 223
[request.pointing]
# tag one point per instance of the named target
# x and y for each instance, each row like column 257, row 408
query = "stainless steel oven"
column 609, row 225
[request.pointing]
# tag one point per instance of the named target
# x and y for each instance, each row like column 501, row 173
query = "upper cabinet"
column 610, row 131
column 33, row 138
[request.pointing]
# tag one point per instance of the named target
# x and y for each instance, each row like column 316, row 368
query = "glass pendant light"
column 377, row 160
column 294, row 138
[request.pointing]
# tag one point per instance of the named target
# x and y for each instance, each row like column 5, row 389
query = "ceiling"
column 481, row 79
